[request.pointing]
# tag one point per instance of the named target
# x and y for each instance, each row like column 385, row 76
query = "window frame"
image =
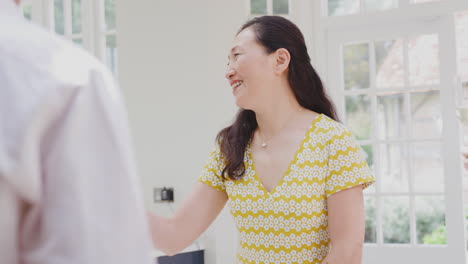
column 93, row 32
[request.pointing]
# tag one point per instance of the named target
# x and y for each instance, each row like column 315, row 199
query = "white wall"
column 172, row 58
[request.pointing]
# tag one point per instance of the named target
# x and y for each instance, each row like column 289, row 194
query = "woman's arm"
column 346, row 224
column 197, row 212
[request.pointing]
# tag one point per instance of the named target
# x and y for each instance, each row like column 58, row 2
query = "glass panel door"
column 393, row 85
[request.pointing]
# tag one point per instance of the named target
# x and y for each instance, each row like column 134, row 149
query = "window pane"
column 281, row 7
column 358, row 115
column 391, row 116
column 59, row 18
column 423, row 60
column 430, row 220
column 393, row 168
column 369, row 154
column 258, row 7
column 426, row 115
column 27, row 11
column 389, row 57
column 461, row 27
column 76, row 16
column 78, row 42
column 356, row 66
column 396, row 227
column 380, row 4
column 370, row 234
column 111, row 52
column 110, row 14
column 427, row 167
column 342, row 7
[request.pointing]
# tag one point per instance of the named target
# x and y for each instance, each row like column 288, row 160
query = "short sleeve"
column 211, row 172
column 347, row 166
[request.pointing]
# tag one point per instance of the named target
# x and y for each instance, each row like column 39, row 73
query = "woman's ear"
column 282, row 60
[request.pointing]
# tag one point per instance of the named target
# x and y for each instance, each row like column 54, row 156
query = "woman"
column 293, row 175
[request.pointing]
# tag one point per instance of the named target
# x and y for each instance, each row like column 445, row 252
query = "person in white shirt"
column 68, row 188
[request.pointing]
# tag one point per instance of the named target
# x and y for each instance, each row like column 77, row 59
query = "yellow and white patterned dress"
column 289, row 224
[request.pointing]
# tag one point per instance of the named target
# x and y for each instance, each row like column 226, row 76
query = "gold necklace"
column 264, row 142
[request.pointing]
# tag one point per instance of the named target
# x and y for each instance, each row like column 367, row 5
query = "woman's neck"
column 275, row 116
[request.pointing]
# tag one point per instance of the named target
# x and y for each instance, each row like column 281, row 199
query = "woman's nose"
column 229, row 73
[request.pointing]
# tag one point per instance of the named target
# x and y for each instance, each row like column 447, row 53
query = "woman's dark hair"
column 273, row 33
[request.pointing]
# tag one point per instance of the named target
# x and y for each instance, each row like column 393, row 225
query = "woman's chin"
column 242, row 104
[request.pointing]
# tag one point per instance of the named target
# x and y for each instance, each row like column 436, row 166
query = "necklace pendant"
column 264, row 145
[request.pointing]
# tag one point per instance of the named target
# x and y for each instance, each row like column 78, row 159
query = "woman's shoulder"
column 330, row 127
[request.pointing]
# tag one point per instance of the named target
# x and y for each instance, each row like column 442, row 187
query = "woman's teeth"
column 236, row 84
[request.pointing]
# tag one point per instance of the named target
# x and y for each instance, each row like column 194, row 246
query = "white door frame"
column 454, row 251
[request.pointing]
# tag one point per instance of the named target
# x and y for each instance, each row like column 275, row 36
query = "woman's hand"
column 197, row 212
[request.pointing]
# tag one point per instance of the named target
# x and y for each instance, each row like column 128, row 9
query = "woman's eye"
column 236, row 54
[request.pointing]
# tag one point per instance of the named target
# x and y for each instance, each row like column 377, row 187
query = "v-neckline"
column 293, row 161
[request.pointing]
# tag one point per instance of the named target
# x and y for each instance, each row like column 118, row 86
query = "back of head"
column 275, row 32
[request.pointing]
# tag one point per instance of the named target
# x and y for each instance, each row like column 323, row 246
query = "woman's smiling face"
column 249, row 70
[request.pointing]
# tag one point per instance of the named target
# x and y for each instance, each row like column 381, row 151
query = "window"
column 269, row 7
column 110, row 35
column 401, row 77
column 68, row 20
column 350, row 7
column 27, row 9
column 461, row 29
column 96, row 33
column 391, row 76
